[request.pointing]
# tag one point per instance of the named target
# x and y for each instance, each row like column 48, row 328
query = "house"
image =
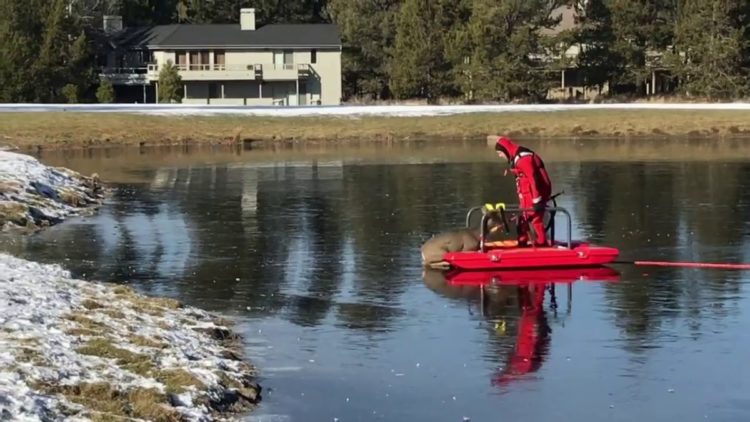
column 230, row 64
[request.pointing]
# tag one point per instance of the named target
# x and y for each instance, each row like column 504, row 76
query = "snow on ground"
column 76, row 349
column 364, row 110
column 33, row 195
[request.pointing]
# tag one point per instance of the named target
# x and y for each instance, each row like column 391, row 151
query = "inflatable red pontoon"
column 506, row 255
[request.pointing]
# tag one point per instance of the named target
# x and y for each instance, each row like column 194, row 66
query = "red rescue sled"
column 561, row 255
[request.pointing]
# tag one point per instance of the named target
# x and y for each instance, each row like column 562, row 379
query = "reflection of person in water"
column 532, row 339
column 496, row 303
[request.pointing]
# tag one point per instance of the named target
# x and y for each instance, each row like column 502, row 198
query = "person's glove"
column 539, row 206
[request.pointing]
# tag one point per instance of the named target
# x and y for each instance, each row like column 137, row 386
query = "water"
column 318, row 260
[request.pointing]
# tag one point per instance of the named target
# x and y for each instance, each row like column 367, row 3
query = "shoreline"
column 49, row 130
column 98, row 350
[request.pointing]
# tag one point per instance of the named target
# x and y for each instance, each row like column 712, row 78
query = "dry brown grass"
column 82, row 332
column 85, row 322
column 105, row 401
column 114, row 313
column 91, row 304
column 178, row 380
column 51, row 130
column 127, row 360
column 147, row 342
column 13, row 212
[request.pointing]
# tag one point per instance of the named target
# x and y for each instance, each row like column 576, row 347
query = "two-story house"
column 230, row 64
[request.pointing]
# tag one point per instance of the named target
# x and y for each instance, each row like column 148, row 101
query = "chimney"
column 112, row 23
column 247, row 19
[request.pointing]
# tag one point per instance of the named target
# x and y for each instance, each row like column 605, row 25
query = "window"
column 219, row 60
column 314, row 56
column 195, row 60
column 205, row 61
column 182, row 60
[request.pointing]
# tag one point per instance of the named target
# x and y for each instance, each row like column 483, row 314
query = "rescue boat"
column 506, row 255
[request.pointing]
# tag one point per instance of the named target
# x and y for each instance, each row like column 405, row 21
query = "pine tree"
column 368, row 29
column 418, row 66
column 710, row 38
column 598, row 60
column 506, row 49
column 640, row 29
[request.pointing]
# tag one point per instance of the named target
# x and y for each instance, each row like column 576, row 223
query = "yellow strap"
column 496, row 207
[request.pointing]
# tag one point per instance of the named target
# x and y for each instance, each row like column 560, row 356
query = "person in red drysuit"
column 532, row 184
column 532, row 339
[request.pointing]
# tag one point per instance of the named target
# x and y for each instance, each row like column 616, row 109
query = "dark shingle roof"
column 140, row 37
column 230, row 35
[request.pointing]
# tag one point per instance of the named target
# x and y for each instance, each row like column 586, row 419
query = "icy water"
column 317, row 256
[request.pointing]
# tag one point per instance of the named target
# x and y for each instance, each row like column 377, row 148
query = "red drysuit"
column 533, row 186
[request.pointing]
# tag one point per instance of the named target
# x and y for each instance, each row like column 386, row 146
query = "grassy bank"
column 64, row 130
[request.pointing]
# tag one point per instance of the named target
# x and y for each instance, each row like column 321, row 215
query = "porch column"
column 144, row 93
column 653, row 82
column 297, row 83
column 157, row 91
column 562, row 79
column 184, row 93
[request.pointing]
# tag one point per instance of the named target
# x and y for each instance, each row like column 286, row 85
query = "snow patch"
column 34, row 195
column 47, row 319
column 354, row 111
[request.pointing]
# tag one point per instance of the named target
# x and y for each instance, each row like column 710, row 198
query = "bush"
column 106, row 92
column 70, row 92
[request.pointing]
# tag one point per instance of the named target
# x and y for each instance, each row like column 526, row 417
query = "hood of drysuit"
column 508, row 147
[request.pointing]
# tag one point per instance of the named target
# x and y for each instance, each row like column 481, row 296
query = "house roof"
column 139, row 37
column 229, row 36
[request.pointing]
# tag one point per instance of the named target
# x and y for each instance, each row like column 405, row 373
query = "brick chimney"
column 247, row 19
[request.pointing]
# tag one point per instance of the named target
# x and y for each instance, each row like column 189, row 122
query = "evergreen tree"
column 640, row 28
column 506, row 48
column 418, row 66
column 710, row 38
column 170, row 84
column 149, row 12
column 368, row 29
column 598, row 60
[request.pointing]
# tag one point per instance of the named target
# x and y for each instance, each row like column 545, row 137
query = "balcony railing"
column 124, row 70
column 269, row 71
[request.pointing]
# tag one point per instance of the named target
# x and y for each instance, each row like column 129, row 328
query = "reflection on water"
column 319, row 260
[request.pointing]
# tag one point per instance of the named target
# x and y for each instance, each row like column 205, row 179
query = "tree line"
column 465, row 50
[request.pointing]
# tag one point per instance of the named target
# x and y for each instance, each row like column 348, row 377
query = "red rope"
column 694, row 265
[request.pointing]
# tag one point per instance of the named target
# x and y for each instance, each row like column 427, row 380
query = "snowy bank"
column 76, row 350
column 33, row 195
column 352, row 110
